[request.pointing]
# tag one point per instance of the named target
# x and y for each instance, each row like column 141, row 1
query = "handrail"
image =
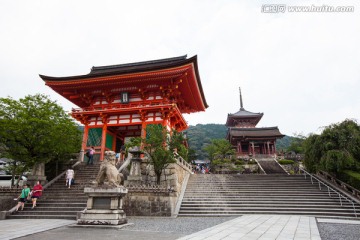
column 257, row 162
column 346, row 187
column 329, row 188
column 46, row 185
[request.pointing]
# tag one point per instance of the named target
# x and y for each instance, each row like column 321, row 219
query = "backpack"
column 87, row 154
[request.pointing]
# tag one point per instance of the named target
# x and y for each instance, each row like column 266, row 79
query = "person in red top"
column 36, row 193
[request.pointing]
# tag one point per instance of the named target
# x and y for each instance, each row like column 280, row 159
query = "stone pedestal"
column 37, row 174
column 135, row 177
column 104, row 206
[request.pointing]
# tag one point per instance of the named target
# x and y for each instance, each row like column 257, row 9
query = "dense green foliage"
column 200, row 136
column 283, row 143
column 159, row 145
column 296, row 144
column 36, row 130
column 219, row 149
column 350, row 177
column 336, row 149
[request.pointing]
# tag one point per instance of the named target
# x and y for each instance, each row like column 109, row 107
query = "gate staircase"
column 224, row 195
column 270, row 166
column 60, row 202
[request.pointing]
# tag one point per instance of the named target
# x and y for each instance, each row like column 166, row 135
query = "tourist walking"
column 36, row 193
column 90, row 154
column 25, row 193
column 69, row 177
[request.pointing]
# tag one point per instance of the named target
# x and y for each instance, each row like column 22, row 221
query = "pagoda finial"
column 241, row 102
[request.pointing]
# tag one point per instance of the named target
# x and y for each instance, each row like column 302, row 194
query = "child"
column 25, row 192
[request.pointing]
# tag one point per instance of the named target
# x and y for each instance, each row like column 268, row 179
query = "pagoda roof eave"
column 255, row 132
column 125, row 69
column 243, row 114
column 147, row 67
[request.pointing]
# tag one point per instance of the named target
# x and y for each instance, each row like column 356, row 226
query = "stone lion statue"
column 108, row 173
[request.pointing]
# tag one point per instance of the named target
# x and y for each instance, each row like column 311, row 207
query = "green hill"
column 201, row 135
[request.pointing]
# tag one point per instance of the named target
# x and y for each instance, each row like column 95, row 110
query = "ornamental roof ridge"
column 253, row 128
column 243, row 113
column 117, row 66
column 127, row 68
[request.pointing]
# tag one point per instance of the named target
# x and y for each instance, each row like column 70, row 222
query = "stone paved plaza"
column 148, row 228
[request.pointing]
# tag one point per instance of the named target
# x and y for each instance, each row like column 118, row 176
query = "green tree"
column 219, row 148
column 335, row 150
column 296, row 144
column 156, row 147
column 35, row 130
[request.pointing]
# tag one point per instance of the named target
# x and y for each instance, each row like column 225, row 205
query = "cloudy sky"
column 301, row 69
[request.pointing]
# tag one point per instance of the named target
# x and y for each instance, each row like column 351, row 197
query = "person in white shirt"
column 69, row 176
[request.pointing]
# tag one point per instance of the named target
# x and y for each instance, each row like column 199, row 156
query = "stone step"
column 31, row 212
column 237, row 213
column 335, row 211
column 317, row 207
column 70, row 217
column 68, row 199
column 265, row 190
column 224, row 195
column 42, row 208
column 60, row 204
column 254, row 193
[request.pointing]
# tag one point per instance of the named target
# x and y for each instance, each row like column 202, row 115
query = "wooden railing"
column 139, row 104
column 329, row 189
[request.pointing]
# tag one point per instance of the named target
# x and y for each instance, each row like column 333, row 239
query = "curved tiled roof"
column 256, row 132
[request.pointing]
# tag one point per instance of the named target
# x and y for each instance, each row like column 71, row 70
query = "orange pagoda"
column 117, row 102
column 246, row 138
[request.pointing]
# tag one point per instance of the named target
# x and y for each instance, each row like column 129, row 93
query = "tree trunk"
column 158, row 177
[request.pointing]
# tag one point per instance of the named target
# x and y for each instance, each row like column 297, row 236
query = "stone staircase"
column 60, row 202
column 224, row 195
column 270, row 166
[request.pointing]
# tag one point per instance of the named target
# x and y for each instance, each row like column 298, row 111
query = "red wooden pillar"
column 253, row 148
column 143, row 133
column 264, row 148
column 103, row 142
column 84, row 141
column 268, row 147
column 114, row 143
column 85, row 137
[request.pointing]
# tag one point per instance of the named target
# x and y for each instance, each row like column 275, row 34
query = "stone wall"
column 149, row 202
column 149, row 199
column 172, row 177
column 7, row 198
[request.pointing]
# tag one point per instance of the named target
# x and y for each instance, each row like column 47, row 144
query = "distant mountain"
column 201, row 135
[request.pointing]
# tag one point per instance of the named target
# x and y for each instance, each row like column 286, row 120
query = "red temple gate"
column 118, row 101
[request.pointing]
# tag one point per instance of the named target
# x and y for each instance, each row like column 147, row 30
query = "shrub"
column 286, row 162
column 238, row 162
column 350, row 177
